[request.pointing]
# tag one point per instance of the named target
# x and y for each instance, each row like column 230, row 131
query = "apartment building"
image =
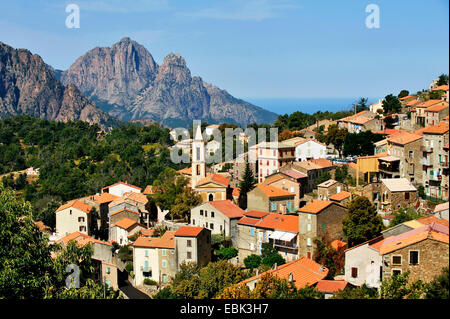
column 74, row 216
column 193, row 244
column 271, row 156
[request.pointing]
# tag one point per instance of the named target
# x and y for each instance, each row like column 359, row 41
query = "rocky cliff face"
column 125, row 81
column 28, row 86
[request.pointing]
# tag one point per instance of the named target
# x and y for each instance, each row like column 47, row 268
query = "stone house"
column 74, row 216
column 319, row 219
column 407, row 148
column 329, row 188
column 100, row 203
column 289, row 180
column 123, row 213
column 312, row 169
column 193, row 244
column 271, row 199
column 250, row 238
column 360, row 122
column 342, row 198
column 435, row 114
column 123, row 229
column 435, row 160
column 397, row 193
column 218, row 216
column 154, row 258
column 418, row 114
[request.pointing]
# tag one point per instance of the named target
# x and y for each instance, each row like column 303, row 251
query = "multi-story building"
column 435, row 114
column 319, row 219
column 407, row 148
column 121, row 188
column 418, row 114
column 312, row 169
column 396, row 193
column 271, row 199
column 73, row 217
column 360, row 122
column 329, row 188
column 435, row 160
column 271, row 156
column 193, row 244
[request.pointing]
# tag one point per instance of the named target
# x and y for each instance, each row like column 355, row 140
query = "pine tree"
column 245, row 186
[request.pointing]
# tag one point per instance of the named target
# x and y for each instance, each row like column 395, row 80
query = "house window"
column 212, row 214
column 70, row 212
column 146, row 265
column 108, row 283
column 323, row 227
column 108, row 270
column 193, row 222
column 189, row 243
column 396, row 260
column 206, row 212
column 274, row 206
column 82, row 228
column 201, row 212
column 308, row 241
column 414, row 257
column 354, row 272
column 146, row 253
column 211, row 225
column 210, row 198
column 309, row 216
column 396, row 272
column 221, row 227
column 292, row 189
column 164, row 264
column 407, row 195
column 164, row 252
column 164, row 278
column 81, row 219
column 308, row 227
column 252, row 231
column 189, row 255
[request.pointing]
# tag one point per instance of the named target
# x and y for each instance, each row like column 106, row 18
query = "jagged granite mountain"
column 28, row 87
column 125, row 81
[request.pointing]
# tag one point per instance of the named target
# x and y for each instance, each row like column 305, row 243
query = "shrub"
column 129, row 268
column 252, row 261
column 150, row 282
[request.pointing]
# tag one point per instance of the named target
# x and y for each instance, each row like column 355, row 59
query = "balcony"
column 426, row 148
column 435, row 178
column 426, row 161
column 285, row 244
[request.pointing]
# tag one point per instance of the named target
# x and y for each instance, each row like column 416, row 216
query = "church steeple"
column 198, row 155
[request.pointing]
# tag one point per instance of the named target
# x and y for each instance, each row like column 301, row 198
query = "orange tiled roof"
column 189, row 231
column 102, row 198
column 440, row 128
column 407, row 97
column 428, row 103
column 412, row 102
column 236, row 191
column 305, row 272
column 185, row 171
column 414, row 238
column 404, row 138
column 331, row 286
column 138, row 197
column 41, row 226
column 122, row 210
column 436, row 108
column 248, row 221
column 148, row 190
column 122, row 183
column 322, row 162
column 443, row 87
column 76, row 204
column 281, row 222
column 316, row 206
column 147, row 232
column 227, row 208
column 272, row 191
column 256, row 213
column 340, row 196
column 166, row 241
column 428, row 220
column 214, row 178
column 125, row 223
column 82, row 239
column 337, row 244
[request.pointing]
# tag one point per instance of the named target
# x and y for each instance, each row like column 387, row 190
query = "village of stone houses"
column 291, row 218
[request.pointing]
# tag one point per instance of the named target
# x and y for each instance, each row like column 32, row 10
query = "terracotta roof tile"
column 428, row 103
column 316, row 206
column 82, row 239
column 185, row 171
column 272, row 191
column 256, row 214
column 322, row 162
column 248, row 221
column 281, row 222
column 214, row 178
column 188, row 231
column 404, row 138
column 305, row 272
column 331, row 286
column 340, row 196
column 227, row 208
column 125, row 223
column 428, row 220
column 138, row 197
column 337, row 244
column 123, row 210
column 436, row 108
column 76, row 204
column 440, row 128
column 166, row 241
column 149, row 190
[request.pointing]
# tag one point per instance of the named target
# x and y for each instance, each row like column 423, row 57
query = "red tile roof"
column 102, row 198
column 122, row 210
column 436, row 108
column 280, row 222
column 439, row 128
column 185, row 171
column 76, row 204
column 331, row 286
column 272, row 191
column 227, row 208
column 82, row 239
column 428, row 220
column 294, row 174
column 188, row 231
column 340, row 196
column 166, row 241
column 404, row 138
column 214, row 178
column 322, row 162
column 248, row 221
column 125, row 223
column 305, row 272
column 316, row 206
column 337, row 244
column 256, row 214
column 148, row 190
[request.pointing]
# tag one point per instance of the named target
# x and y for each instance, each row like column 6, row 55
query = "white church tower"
column 198, row 157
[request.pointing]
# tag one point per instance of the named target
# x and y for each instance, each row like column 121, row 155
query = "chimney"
column 291, row 277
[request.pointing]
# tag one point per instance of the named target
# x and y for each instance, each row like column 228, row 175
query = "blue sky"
column 254, row 48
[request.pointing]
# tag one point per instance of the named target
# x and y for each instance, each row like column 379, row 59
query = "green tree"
column 252, row 261
column 404, row 215
column 184, row 201
column 361, row 104
column 443, row 79
column 323, row 177
column 273, row 259
column 403, row 93
column 336, row 136
column 362, row 292
column 225, row 253
column 362, row 222
column 439, row 287
column 391, row 104
column 245, row 186
column 398, row 287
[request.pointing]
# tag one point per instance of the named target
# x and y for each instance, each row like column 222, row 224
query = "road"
column 130, row 291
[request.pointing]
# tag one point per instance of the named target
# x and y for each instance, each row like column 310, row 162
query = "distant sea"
column 306, row 105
